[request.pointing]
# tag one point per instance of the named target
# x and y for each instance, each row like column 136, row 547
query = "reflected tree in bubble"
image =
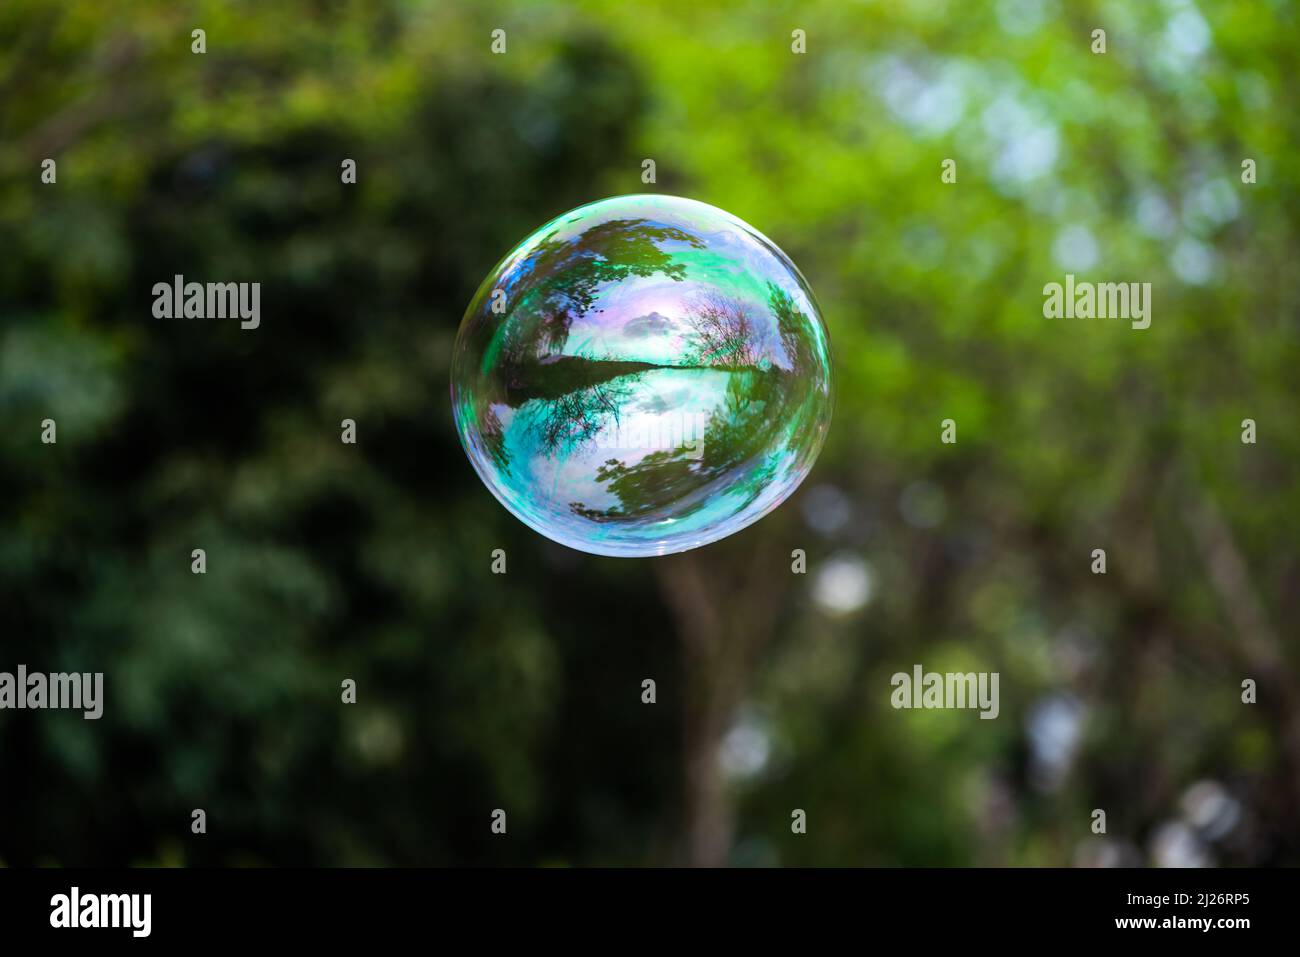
column 658, row 379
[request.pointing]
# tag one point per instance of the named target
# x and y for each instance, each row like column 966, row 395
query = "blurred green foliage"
column 475, row 691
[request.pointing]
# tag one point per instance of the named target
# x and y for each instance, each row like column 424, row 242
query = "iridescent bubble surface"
column 642, row 375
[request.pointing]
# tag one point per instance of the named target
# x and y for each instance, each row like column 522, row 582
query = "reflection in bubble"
column 656, row 376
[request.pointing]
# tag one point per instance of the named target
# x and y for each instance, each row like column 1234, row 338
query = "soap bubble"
column 642, row 375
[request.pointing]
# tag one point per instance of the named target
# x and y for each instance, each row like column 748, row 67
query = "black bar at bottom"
column 331, row 907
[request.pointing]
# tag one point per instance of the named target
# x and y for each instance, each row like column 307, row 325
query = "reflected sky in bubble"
column 656, row 376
